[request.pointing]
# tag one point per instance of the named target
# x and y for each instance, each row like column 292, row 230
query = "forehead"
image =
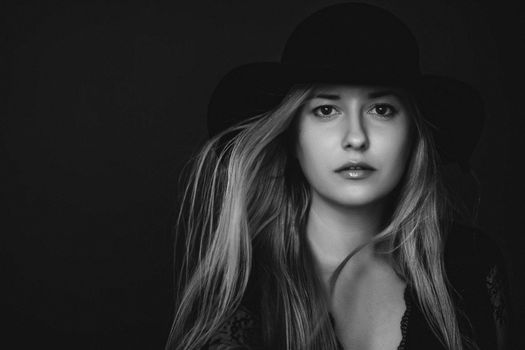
column 363, row 91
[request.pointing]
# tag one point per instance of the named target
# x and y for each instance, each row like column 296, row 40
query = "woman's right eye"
column 325, row 111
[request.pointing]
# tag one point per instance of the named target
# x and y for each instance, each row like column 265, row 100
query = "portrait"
column 263, row 175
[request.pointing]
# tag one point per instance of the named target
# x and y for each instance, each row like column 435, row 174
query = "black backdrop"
column 106, row 102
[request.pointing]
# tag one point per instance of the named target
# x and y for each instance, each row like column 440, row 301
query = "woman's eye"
column 383, row 110
column 325, row 111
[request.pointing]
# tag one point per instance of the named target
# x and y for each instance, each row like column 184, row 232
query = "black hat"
column 359, row 44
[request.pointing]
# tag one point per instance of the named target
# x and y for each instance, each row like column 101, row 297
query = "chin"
column 355, row 203
column 355, row 198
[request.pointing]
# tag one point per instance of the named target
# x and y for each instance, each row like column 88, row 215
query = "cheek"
column 306, row 153
column 402, row 149
column 311, row 153
column 405, row 149
column 397, row 149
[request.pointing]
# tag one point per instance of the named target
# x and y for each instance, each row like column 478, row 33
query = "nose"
column 355, row 136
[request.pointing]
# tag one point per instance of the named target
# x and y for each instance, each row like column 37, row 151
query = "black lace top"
column 475, row 270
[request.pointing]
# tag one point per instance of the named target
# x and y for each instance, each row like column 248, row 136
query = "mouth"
column 355, row 170
column 355, row 166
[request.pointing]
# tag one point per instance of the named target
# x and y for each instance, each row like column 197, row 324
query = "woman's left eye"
column 325, row 111
column 383, row 110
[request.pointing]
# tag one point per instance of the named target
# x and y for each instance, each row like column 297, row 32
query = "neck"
column 334, row 231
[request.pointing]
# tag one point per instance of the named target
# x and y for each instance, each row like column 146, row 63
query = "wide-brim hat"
column 353, row 43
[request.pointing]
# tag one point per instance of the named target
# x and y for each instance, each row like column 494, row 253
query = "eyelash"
column 392, row 112
column 316, row 111
column 392, row 109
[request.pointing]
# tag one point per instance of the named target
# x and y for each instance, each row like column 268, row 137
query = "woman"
column 315, row 218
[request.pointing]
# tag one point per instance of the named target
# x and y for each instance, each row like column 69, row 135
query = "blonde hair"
column 243, row 214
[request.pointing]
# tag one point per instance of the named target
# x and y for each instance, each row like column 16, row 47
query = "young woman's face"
column 353, row 143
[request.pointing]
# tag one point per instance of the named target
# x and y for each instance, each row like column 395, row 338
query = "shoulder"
column 239, row 331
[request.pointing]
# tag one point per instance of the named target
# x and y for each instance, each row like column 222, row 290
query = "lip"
column 355, row 166
column 355, row 170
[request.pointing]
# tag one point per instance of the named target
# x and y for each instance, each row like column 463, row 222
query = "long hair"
column 242, row 219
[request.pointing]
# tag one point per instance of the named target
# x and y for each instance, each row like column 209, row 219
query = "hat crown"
column 354, row 35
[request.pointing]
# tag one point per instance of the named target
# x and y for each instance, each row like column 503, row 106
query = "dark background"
column 106, row 102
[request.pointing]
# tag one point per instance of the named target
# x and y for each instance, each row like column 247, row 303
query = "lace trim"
column 404, row 320
column 403, row 324
column 239, row 332
column 494, row 283
column 496, row 287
